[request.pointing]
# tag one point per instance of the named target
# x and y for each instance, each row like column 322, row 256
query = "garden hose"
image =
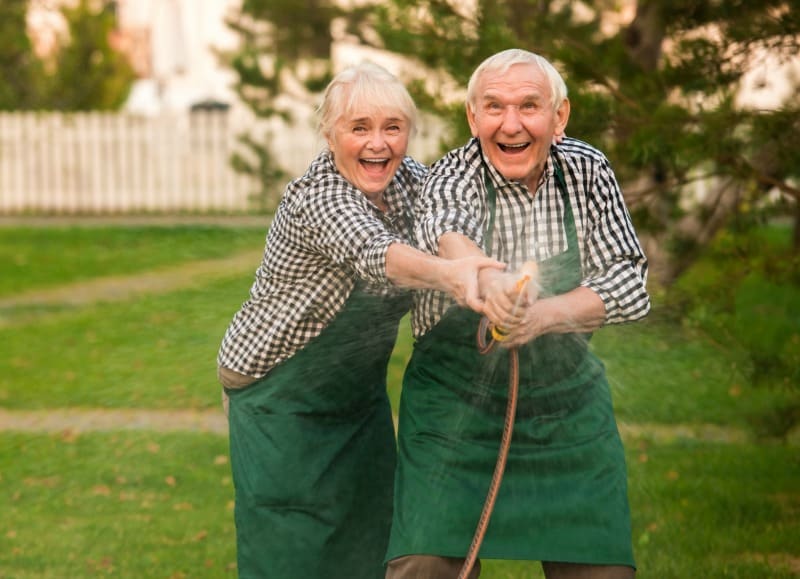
column 497, row 334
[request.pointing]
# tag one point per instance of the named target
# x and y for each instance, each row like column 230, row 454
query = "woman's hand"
column 461, row 279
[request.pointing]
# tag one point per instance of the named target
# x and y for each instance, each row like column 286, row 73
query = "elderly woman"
column 303, row 362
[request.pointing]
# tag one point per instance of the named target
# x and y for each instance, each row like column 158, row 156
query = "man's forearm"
column 579, row 310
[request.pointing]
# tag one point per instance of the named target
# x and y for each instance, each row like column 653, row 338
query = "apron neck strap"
column 572, row 236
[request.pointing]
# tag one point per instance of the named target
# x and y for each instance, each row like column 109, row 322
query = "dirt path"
column 120, row 288
column 58, row 420
column 102, row 419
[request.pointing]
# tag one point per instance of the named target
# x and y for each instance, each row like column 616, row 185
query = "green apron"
column 313, row 452
column 564, row 493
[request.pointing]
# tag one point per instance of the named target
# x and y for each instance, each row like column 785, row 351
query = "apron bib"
column 313, row 452
column 564, row 492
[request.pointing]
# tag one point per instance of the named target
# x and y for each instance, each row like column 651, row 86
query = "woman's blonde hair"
column 502, row 61
column 364, row 86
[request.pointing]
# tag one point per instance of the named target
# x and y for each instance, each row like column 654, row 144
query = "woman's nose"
column 376, row 140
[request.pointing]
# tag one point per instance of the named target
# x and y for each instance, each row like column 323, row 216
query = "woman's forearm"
column 410, row 268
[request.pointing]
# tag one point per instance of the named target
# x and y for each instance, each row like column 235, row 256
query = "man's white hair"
column 502, row 61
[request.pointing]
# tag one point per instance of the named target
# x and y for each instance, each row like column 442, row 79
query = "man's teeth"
column 376, row 161
column 517, row 146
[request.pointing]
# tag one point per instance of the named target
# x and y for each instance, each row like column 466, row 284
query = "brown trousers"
column 428, row 567
column 434, row 567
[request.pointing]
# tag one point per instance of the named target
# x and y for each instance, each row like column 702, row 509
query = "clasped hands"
column 510, row 300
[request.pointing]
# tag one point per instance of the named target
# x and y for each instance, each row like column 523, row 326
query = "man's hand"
column 580, row 310
column 462, row 279
column 509, row 295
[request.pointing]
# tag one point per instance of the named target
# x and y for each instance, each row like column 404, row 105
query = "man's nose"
column 511, row 119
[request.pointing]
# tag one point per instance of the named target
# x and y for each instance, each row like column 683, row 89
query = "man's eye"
column 493, row 108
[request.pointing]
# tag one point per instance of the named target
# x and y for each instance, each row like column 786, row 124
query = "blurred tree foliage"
column 21, row 73
column 87, row 73
column 284, row 60
column 84, row 72
column 657, row 87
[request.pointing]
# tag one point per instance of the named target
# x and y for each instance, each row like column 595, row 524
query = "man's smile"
column 513, row 148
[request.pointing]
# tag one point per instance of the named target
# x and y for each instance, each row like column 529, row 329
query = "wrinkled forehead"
column 374, row 103
column 517, row 76
column 374, row 113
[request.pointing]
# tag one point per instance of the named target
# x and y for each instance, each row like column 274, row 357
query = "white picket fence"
column 103, row 163
column 119, row 163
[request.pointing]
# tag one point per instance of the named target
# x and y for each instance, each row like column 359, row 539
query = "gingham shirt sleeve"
column 614, row 264
column 452, row 200
column 340, row 223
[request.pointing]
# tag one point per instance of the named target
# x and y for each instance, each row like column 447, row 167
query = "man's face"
column 514, row 120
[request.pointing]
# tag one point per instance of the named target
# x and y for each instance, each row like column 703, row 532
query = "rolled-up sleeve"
column 615, row 264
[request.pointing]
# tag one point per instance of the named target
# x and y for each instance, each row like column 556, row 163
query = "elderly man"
column 520, row 192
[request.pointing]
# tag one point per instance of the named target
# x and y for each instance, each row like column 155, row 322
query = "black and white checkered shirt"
column 454, row 199
column 324, row 237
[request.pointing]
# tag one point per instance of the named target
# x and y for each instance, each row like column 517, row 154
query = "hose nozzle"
column 499, row 333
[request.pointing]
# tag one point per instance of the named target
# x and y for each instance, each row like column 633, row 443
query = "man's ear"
column 473, row 124
column 562, row 118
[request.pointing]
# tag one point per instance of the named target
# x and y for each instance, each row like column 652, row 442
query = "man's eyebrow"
column 498, row 96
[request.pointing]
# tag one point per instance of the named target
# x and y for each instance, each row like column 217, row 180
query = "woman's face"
column 368, row 146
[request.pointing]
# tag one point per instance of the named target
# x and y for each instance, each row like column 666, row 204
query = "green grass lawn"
column 44, row 257
column 138, row 504
column 121, row 505
column 159, row 352
column 144, row 504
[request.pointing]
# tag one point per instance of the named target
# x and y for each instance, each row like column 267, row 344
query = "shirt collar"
column 393, row 196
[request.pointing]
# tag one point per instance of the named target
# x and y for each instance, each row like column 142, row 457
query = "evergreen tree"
column 283, row 61
column 658, row 95
column 84, row 73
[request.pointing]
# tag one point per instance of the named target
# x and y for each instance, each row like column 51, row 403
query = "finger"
column 475, row 303
column 484, row 262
